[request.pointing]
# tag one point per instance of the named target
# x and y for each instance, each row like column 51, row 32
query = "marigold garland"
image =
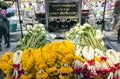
column 10, row 77
column 79, row 58
column 41, row 75
column 6, row 62
column 64, row 77
column 27, row 59
column 28, row 76
column 37, row 58
column 53, row 72
column 66, row 70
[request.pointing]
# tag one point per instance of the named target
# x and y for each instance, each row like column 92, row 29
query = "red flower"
column 77, row 70
column 20, row 73
column 91, row 62
column 16, row 65
column 103, row 58
column 117, row 65
column 112, row 69
column 104, row 71
column 116, row 78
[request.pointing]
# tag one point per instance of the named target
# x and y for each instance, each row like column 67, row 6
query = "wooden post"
column 19, row 18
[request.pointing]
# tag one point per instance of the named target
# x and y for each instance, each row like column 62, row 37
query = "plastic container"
column 13, row 26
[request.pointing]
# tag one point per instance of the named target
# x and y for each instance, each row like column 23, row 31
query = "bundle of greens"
column 86, row 35
column 34, row 38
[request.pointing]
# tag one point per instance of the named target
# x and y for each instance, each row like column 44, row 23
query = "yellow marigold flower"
column 65, row 70
column 6, row 71
column 78, row 58
column 66, row 47
column 70, row 45
column 65, row 50
column 60, row 57
column 49, row 59
column 10, row 61
column 52, row 69
column 37, row 53
column 98, row 59
column 6, row 62
column 46, row 48
column 41, row 75
column 29, row 76
column 64, row 61
column 64, row 77
column 69, row 57
column 9, row 77
column 53, row 54
column 55, row 46
column 42, row 66
column 32, row 71
column 27, row 59
column 6, row 56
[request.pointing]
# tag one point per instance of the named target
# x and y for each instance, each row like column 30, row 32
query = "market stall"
column 81, row 55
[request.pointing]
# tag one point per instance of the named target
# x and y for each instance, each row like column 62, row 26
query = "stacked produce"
column 34, row 38
column 86, row 35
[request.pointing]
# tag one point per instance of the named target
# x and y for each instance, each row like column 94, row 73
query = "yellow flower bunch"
column 69, row 58
column 38, row 61
column 42, row 66
column 70, row 45
column 24, row 76
column 46, row 48
column 66, row 52
column 28, row 63
column 66, row 70
column 55, row 46
column 52, row 71
column 65, row 77
column 41, row 75
column 49, row 59
column 27, row 59
column 51, row 55
column 6, row 62
column 9, row 77
column 79, row 58
column 63, row 49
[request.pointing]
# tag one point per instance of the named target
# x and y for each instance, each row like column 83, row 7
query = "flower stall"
column 81, row 55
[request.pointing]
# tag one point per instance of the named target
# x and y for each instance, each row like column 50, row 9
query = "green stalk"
column 38, row 39
column 32, row 41
column 92, row 39
column 29, row 41
column 101, row 46
column 40, row 43
column 86, row 42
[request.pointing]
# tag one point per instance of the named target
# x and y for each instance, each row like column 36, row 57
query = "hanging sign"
column 63, row 9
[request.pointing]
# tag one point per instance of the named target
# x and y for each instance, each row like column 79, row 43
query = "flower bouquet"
column 86, row 35
column 35, row 37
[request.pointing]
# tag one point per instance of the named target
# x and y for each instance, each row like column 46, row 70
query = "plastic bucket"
column 13, row 26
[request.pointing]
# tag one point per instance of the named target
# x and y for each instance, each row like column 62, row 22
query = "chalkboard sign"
column 63, row 9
